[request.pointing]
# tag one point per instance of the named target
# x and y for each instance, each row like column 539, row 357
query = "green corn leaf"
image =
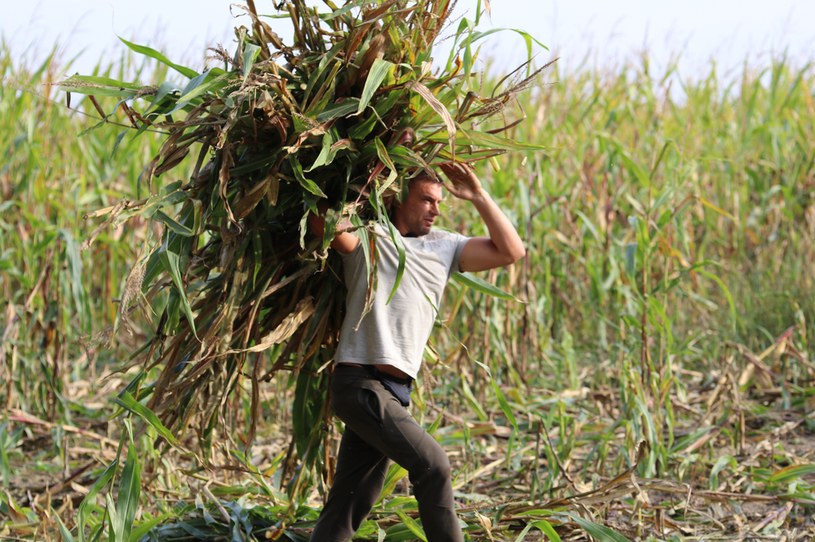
column 164, row 90
column 528, row 38
column 481, row 285
column 681, row 444
column 635, row 169
column 128, row 499
column 715, row 208
column 382, row 153
column 331, row 147
column 590, row 225
column 440, row 110
column 731, row 303
column 170, row 262
column 339, row 12
column 546, row 528
column 5, row 466
column 647, row 418
column 505, row 408
column 305, row 182
column 473, row 402
column 379, row 70
column 309, row 400
column 340, row 109
column 402, row 156
column 152, row 53
column 99, row 86
column 208, row 81
column 396, row 237
column 113, row 514
column 395, row 473
column 76, row 277
column 144, row 527
column 792, row 472
column 412, row 525
column 326, row 156
column 89, row 501
column 483, row 139
column 127, row 401
column 64, row 532
column 631, row 258
column 543, row 526
column 174, row 225
column 599, row 532
column 324, row 79
column 250, row 54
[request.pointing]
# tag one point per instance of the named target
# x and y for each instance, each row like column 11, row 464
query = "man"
column 380, row 352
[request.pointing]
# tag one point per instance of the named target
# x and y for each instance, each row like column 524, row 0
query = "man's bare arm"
column 503, row 246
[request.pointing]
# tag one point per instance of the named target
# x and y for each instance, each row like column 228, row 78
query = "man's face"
column 414, row 217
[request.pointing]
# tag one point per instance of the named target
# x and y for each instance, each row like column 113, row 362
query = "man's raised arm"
column 503, row 246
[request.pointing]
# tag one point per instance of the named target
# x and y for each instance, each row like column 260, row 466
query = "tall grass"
column 670, row 230
column 59, row 280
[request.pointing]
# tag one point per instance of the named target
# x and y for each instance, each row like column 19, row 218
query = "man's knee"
column 435, row 467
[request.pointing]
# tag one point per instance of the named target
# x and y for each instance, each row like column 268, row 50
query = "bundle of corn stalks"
column 340, row 118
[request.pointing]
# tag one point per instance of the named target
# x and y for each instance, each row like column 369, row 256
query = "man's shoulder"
column 440, row 235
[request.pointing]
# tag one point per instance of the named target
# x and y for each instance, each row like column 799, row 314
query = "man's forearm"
column 502, row 247
column 502, row 232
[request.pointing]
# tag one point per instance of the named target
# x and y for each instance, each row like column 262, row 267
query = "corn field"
column 643, row 374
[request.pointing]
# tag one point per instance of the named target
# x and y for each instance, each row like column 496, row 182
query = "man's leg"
column 361, row 471
column 409, row 445
column 377, row 418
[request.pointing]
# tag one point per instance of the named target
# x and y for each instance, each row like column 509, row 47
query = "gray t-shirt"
column 395, row 332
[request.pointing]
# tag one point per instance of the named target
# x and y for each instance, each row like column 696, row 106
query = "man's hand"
column 344, row 242
column 503, row 246
column 464, row 183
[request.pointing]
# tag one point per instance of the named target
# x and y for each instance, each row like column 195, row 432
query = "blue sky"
column 600, row 32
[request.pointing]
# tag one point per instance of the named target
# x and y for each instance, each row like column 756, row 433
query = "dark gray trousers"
column 379, row 429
